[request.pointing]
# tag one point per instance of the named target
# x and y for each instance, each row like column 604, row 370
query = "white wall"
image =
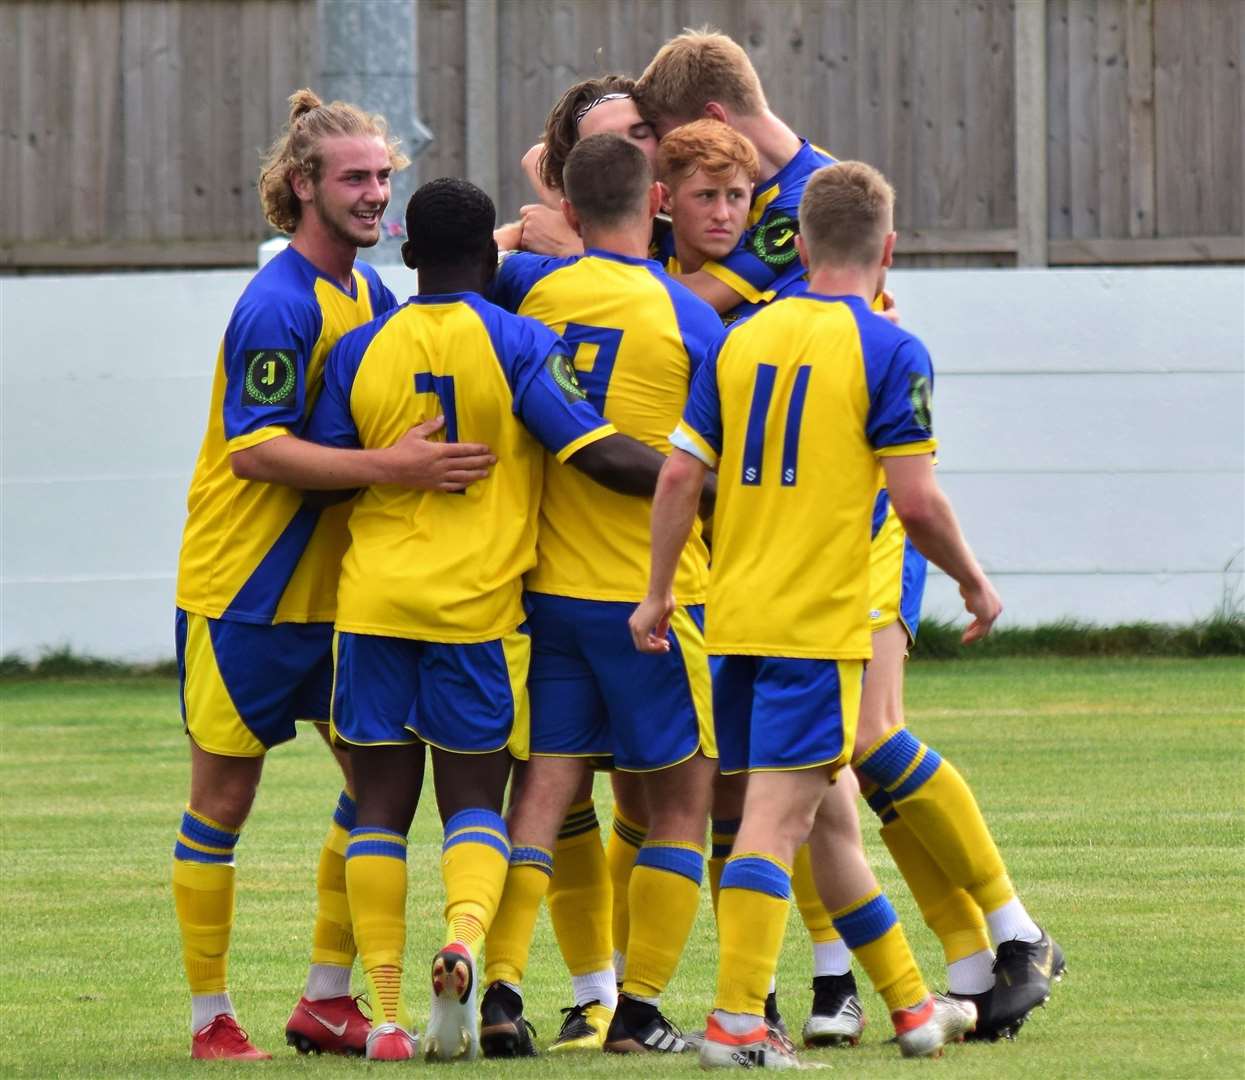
column 1091, row 424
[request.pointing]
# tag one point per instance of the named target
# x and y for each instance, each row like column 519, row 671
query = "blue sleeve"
column 901, row 396
column 767, row 250
column 332, row 422
column 550, row 401
column 699, row 325
column 517, row 274
column 702, row 415
column 267, row 348
column 546, row 392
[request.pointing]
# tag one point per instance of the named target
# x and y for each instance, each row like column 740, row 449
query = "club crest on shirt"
column 271, row 377
column 922, row 400
column 774, row 240
column 562, row 371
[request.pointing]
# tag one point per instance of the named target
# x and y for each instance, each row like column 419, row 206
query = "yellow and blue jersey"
column 251, row 551
column 637, row 339
column 448, row 567
column 794, row 410
column 766, row 259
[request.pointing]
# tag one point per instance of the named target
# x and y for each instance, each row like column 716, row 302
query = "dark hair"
column 449, row 222
column 562, row 123
column 606, row 179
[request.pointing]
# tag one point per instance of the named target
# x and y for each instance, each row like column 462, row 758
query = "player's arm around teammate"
column 431, row 647
column 257, row 572
column 590, row 107
column 638, row 337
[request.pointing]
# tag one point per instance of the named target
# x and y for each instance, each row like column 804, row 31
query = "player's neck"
column 325, row 251
column 690, row 260
column 436, row 282
column 844, row 281
column 629, row 240
column 776, row 144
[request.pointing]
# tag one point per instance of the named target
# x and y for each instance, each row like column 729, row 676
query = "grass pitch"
column 1114, row 788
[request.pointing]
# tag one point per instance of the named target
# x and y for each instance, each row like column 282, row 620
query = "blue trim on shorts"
column 675, row 860
column 912, row 587
column 880, row 506
column 867, row 923
column 759, row 875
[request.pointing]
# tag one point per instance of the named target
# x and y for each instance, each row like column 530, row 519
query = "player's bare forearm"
column 674, row 510
column 930, row 522
column 620, row 463
column 412, row 462
column 546, row 232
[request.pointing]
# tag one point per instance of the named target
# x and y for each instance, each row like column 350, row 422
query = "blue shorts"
column 469, row 699
column 243, row 685
column 773, row 713
column 896, row 573
column 594, row 695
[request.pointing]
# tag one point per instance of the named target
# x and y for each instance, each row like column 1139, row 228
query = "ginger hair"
column 715, row 148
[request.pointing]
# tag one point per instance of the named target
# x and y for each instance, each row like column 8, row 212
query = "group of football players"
column 652, row 492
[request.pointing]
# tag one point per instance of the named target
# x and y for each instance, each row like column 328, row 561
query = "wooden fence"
column 131, row 128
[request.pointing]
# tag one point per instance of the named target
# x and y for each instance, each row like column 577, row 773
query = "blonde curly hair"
column 297, row 150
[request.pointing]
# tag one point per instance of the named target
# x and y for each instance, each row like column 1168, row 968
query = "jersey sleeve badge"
column 271, row 377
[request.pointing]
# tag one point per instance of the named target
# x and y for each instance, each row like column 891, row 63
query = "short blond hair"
column 693, row 69
column 709, row 145
column 297, row 150
column 846, row 212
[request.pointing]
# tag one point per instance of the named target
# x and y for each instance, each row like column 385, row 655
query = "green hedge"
column 1220, row 635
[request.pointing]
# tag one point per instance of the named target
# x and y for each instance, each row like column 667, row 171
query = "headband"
column 580, row 113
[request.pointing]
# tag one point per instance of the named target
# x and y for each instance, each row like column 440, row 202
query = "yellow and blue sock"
column 475, row 857
column 581, row 906
column 626, row 839
column 509, row 939
column 665, row 892
column 947, row 909
column 722, row 839
column 937, row 805
column 580, row 894
column 376, row 886
column 203, row 896
column 332, row 942
column 752, row 916
column 830, row 955
column 871, row 929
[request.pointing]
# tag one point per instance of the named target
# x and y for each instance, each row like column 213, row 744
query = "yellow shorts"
column 244, row 685
column 896, row 577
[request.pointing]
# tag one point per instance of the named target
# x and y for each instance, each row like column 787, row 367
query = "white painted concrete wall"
column 1092, row 426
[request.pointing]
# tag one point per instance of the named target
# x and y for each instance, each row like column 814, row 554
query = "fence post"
column 1031, row 133
column 482, row 60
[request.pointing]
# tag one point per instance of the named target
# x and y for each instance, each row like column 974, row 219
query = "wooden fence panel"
column 131, row 129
